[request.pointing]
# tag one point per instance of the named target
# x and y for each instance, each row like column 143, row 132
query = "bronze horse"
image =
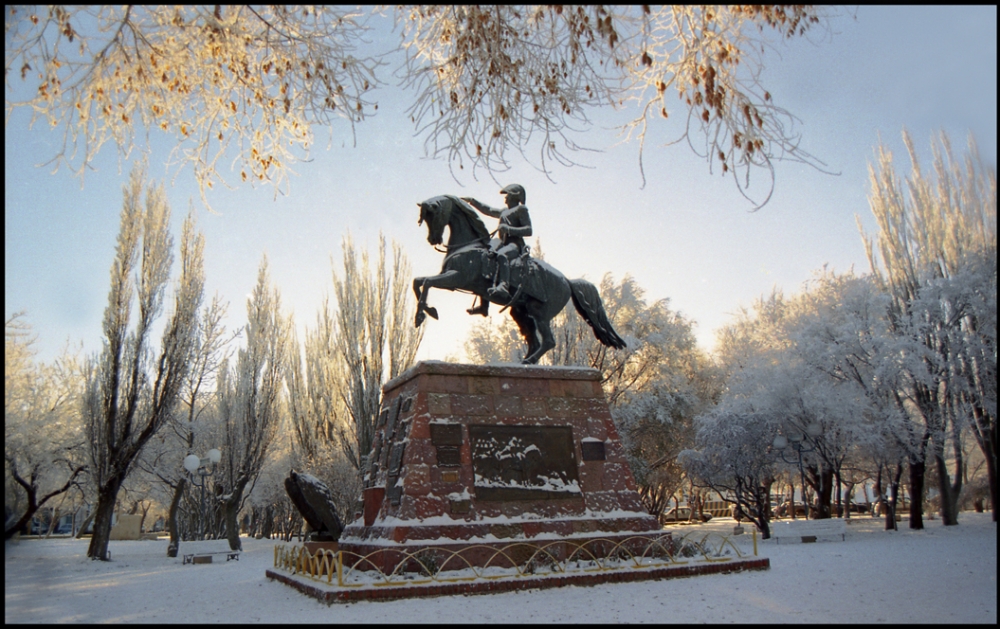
column 467, row 267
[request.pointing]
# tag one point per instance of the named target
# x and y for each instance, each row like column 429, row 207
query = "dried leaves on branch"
column 253, row 79
column 486, row 79
column 493, row 78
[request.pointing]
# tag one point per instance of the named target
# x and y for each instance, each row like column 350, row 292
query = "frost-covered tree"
column 358, row 345
column 132, row 392
column 771, row 369
column 935, row 256
column 251, row 404
column 190, row 429
column 733, row 456
column 44, row 446
column 268, row 511
column 491, row 341
column 654, row 387
column 486, row 79
column 660, row 340
column 841, row 331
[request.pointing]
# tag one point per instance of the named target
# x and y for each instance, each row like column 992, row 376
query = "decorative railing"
column 516, row 560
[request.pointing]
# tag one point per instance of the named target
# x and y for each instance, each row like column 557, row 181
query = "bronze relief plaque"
column 523, row 462
column 448, row 456
column 446, row 434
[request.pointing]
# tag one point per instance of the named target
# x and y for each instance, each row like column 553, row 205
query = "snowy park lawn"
column 938, row 575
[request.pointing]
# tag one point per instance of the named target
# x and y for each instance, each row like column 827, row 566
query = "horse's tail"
column 588, row 303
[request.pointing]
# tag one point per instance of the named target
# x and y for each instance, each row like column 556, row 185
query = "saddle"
column 525, row 276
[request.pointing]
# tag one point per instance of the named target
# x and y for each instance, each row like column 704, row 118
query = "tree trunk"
column 23, row 520
column 268, row 522
column 231, row 507
column 824, row 494
column 146, row 506
column 83, row 527
column 890, row 512
column 175, row 503
column 56, row 516
column 838, row 495
column 821, row 480
column 949, row 491
column 849, row 500
column 917, row 469
column 950, row 507
column 791, row 496
column 765, row 529
column 107, row 496
column 879, row 493
column 991, row 474
column 232, row 526
column 985, row 432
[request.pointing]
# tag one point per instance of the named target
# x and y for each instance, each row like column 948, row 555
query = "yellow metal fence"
column 516, row 560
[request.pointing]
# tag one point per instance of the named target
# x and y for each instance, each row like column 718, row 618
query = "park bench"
column 207, row 557
column 806, row 531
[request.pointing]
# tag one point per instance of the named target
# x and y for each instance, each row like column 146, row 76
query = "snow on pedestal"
column 494, row 455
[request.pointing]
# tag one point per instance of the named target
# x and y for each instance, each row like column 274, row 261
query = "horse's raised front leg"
column 420, row 289
column 447, row 280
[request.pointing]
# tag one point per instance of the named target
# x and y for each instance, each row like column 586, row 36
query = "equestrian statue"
column 501, row 271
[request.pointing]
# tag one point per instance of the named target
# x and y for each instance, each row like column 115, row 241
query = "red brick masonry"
column 421, row 493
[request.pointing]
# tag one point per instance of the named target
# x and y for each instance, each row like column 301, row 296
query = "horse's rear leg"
column 526, row 325
column 543, row 328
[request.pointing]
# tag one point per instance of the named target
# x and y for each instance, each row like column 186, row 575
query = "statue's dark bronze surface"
column 471, row 264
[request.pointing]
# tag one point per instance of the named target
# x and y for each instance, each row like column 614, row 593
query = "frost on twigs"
column 494, row 78
column 253, row 79
column 487, row 80
column 711, row 58
column 491, row 78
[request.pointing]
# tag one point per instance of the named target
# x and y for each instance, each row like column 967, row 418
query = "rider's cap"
column 515, row 189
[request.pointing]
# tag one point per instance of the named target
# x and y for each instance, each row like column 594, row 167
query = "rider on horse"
column 515, row 225
column 466, row 268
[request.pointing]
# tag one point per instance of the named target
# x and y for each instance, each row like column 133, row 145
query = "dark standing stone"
column 313, row 500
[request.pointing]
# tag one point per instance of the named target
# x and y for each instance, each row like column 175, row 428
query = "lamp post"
column 795, row 440
column 195, row 464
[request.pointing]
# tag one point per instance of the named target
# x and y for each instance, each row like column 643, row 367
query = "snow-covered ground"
column 938, row 575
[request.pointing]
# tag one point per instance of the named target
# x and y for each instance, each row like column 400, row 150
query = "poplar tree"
column 131, row 391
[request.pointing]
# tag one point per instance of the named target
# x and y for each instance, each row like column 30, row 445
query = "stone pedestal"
column 499, row 456
column 315, row 547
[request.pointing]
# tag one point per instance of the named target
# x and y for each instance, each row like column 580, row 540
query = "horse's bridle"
column 446, row 249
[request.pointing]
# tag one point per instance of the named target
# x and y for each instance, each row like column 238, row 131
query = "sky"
column 687, row 235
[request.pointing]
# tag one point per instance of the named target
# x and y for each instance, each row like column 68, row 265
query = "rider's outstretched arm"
column 482, row 207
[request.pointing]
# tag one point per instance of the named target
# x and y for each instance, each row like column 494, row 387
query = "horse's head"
column 435, row 211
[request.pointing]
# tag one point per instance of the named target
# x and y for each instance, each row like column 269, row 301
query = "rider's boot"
column 482, row 309
column 501, row 292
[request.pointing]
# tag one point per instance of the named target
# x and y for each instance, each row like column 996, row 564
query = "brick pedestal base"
column 467, row 454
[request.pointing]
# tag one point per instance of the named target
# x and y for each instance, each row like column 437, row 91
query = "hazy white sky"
column 687, row 236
